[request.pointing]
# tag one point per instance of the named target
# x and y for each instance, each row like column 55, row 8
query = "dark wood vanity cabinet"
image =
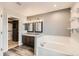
column 28, row 40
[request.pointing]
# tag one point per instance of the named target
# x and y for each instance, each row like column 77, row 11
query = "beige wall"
column 55, row 23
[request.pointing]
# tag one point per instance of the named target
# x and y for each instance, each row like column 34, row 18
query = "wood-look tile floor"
column 12, row 44
column 20, row 51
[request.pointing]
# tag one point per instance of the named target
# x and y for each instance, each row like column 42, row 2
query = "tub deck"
column 59, row 44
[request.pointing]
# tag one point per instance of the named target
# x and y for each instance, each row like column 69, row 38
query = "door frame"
column 3, row 32
column 4, row 40
column 18, row 29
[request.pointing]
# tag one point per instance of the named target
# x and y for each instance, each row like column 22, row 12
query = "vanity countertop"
column 33, row 34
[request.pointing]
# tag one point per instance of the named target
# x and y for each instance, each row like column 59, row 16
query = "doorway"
column 13, row 32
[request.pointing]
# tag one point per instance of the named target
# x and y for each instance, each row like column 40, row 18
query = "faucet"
column 42, row 44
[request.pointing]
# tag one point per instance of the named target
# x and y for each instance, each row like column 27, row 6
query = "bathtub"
column 55, row 46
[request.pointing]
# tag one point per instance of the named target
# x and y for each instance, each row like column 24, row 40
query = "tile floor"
column 20, row 51
column 12, row 44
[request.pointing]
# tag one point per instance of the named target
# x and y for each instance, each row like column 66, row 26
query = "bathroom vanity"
column 30, row 39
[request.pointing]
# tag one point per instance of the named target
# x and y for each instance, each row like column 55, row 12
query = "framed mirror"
column 38, row 27
column 29, row 27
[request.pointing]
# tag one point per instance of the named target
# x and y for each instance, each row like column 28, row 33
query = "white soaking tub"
column 54, row 46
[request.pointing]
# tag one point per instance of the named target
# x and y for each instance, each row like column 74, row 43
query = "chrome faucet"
column 42, row 44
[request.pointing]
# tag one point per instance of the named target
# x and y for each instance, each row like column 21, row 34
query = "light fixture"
column 55, row 5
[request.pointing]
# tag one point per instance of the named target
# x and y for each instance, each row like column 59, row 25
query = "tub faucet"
column 42, row 44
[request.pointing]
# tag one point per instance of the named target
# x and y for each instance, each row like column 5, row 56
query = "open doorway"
column 13, row 31
column 13, row 37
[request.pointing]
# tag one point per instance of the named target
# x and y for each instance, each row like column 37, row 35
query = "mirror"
column 34, row 27
column 39, row 27
column 29, row 27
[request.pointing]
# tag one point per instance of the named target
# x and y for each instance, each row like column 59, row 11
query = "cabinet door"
column 28, row 40
column 32, row 41
column 23, row 40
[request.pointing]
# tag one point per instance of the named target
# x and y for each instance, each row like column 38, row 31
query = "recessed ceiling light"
column 54, row 5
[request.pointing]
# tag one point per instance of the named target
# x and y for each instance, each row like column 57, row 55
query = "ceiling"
column 34, row 8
